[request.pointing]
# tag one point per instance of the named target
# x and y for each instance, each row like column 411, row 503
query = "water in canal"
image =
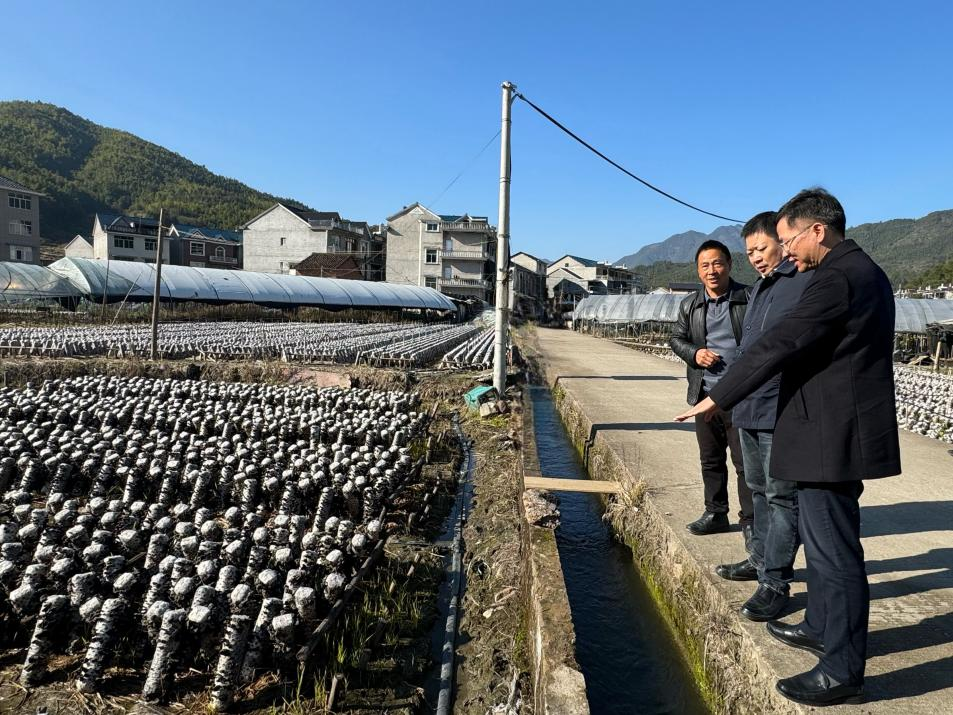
column 625, row 651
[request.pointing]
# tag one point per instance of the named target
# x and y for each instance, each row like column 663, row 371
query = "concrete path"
column 631, row 397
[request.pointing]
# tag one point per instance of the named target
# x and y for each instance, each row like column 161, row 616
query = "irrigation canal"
column 625, row 650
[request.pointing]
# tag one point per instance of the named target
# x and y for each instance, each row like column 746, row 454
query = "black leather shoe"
column 765, row 605
column 815, row 687
column 795, row 637
column 741, row 571
column 709, row 523
column 746, row 531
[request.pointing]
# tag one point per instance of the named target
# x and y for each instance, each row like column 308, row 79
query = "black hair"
column 713, row 244
column 818, row 205
column 764, row 222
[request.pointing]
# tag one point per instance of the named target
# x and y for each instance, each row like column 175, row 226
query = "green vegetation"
column 84, row 168
column 659, row 275
column 942, row 273
column 905, row 248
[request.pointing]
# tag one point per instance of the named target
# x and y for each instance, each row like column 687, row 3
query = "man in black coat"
column 836, row 426
column 706, row 336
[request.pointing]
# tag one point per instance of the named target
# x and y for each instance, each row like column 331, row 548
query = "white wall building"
column 19, row 222
column 279, row 238
column 454, row 253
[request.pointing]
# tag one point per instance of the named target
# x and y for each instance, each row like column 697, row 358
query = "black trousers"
column 715, row 440
column 838, row 597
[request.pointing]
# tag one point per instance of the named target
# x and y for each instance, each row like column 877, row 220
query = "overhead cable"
column 619, row 166
column 433, row 202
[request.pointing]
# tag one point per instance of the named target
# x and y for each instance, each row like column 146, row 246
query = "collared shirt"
column 771, row 298
column 719, row 337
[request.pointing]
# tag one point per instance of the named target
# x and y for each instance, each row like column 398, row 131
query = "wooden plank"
column 572, row 485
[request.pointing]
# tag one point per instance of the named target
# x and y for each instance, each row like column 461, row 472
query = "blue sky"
column 363, row 108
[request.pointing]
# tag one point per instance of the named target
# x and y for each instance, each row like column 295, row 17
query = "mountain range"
column 905, row 248
column 681, row 247
column 84, row 168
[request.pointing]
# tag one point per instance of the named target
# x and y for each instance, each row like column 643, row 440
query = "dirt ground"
column 493, row 668
column 380, row 655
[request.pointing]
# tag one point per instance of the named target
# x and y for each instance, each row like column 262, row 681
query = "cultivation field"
column 192, row 543
column 406, row 345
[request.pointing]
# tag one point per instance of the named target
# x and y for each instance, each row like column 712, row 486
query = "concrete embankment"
column 618, row 405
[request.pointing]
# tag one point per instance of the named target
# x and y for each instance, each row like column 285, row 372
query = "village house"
column 455, row 254
column 527, row 285
column 204, row 247
column 279, row 238
column 19, row 222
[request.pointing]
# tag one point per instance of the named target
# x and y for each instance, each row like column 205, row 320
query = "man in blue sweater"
column 774, row 541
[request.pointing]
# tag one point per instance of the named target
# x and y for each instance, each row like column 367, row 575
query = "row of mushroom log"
column 187, row 524
column 925, row 402
column 403, row 344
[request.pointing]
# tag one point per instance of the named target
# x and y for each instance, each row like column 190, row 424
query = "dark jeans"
column 774, row 539
column 715, row 439
column 838, row 597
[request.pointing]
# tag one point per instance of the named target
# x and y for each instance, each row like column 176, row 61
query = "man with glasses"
column 774, row 541
column 706, row 336
column 836, row 426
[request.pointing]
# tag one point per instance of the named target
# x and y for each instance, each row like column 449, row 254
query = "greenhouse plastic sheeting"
column 913, row 314
column 660, row 307
column 119, row 280
column 25, row 281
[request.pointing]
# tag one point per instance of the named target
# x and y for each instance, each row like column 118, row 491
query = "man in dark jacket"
column 774, row 541
column 706, row 337
column 836, row 426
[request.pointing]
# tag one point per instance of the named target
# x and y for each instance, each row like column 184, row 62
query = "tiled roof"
column 108, row 219
column 186, row 230
column 309, row 215
column 330, row 265
column 588, row 262
column 12, row 185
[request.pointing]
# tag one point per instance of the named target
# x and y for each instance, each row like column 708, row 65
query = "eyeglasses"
column 788, row 243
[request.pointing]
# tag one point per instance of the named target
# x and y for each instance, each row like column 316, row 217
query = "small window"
column 431, row 255
column 281, row 241
column 150, row 244
column 21, row 253
column 432, row 226
column 20, row 227
column 220, row 251
column 430, row 281
column 20, row 201
column 123, row 242
column 196, row 248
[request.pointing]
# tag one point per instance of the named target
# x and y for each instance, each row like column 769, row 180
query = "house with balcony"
column 118, row 237
column 527, row 285
column 572, row 278
column 456, row 254
column 280, row 237
column 19, row 222
column 204, row 247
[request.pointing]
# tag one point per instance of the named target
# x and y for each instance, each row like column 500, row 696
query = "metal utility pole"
column 503, row 249
column 154, row 353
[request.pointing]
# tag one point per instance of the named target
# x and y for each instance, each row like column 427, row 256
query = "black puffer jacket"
column 691, row 331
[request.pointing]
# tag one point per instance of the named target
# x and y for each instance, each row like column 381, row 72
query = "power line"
column 619, row 166
column 465, row 170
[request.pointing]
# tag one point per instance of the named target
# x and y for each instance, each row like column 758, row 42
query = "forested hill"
column 905, row 248
column 84, row 168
